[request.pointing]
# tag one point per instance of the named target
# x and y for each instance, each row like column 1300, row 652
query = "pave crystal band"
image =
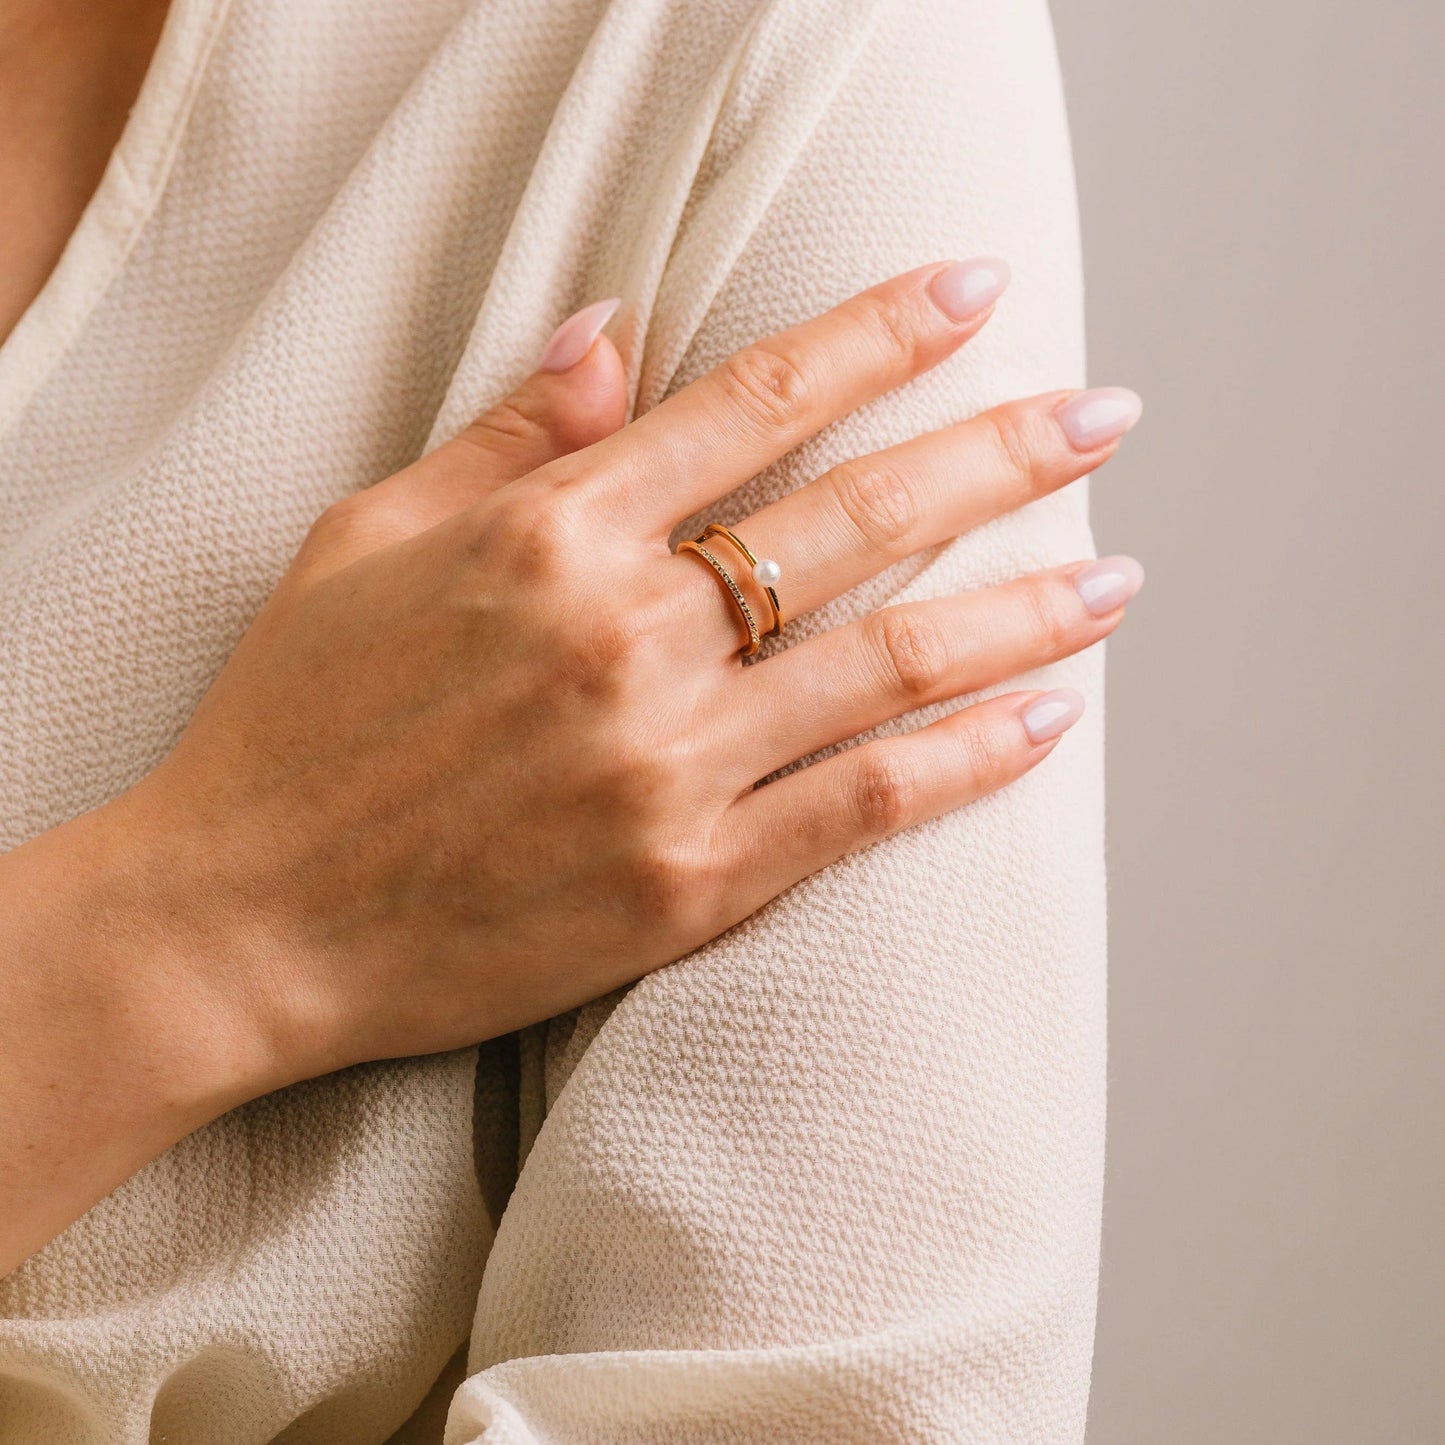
column 693, row 544
column 765, row 572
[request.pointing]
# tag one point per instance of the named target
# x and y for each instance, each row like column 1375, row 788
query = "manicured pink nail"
column 1052, row 713
column 1109, row 583
column 965, row 288
column 569, row 343
column 1094, row 418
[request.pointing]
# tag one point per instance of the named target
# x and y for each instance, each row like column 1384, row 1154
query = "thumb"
column 576, row 396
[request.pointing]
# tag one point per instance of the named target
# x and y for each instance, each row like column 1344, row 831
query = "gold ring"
column 765, row 571
column 694, row 544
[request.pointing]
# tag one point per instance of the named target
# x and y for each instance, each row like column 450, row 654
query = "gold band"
column 716, row 529
column 693, row 544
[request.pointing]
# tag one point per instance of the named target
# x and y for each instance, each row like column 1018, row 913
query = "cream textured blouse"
column 834, row 1177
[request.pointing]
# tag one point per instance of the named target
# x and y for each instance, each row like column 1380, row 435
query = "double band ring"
column 766, row 574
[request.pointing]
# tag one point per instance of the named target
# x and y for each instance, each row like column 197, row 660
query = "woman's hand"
column 128, row 1013
column 490, row 751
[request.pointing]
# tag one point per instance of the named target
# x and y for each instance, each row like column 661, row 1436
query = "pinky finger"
column 807, row 819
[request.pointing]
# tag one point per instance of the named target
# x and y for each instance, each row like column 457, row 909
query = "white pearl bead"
column 767, row 571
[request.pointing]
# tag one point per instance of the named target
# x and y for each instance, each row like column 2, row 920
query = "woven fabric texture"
column 834, row 1177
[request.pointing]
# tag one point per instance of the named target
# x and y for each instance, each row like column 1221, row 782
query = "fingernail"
column 568, row 344
column 1093, row 418
column 1108, row 583
column 1053, row 713
column 965, row 288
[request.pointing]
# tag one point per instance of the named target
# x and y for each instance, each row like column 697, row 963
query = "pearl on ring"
column 767, row 571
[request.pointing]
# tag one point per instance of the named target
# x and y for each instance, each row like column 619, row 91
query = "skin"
column 456, row 777
column 69, row 71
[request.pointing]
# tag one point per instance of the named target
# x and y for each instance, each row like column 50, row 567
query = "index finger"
column 759, row 403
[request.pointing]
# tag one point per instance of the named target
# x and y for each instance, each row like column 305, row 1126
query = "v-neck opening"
column 119, row 207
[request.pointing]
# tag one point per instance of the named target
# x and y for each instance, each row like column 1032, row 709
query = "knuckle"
column 1050, row 622
column 354, row 518
column 1008, row 434
column 534, row 532
column 516, row 418
column 340, row 516
column 989, row 760
column 672, row 883
column 913, row 650
column 884, row 792
column 887, row 322
column 767, row 385
column 609, row 650
column 877, row 501
column 616, row 634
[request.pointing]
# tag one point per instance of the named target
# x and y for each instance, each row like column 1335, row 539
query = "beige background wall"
column 1261, row 188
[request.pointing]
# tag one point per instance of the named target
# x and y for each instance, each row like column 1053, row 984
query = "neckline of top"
column 130, row 188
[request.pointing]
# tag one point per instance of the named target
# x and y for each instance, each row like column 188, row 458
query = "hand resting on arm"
column 489, row 751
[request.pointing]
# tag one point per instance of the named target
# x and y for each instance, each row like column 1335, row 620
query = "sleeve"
column 836, row 1176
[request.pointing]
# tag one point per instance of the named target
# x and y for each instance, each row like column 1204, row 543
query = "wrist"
column 218, row 877
column 128, row 1019
column 181, row 978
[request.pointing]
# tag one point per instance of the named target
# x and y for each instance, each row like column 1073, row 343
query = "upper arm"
column 844, row 1163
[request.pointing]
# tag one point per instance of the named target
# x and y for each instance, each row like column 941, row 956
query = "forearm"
column 121, row 1025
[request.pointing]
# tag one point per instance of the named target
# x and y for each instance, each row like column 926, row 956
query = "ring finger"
column 869, row 512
